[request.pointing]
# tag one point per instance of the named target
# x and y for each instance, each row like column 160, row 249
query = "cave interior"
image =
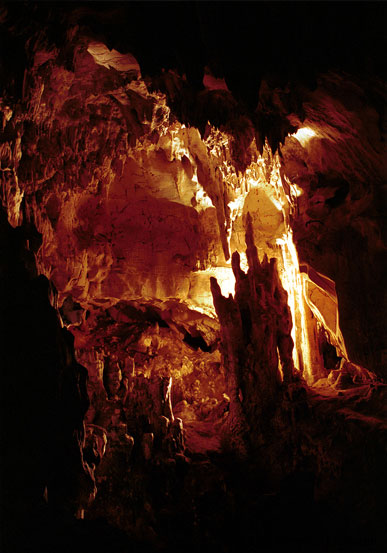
column 192, row 265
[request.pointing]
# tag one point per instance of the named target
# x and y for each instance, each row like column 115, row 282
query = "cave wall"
column 119, row 205
column 137, row 174
column 339, row 227
column 101, row 152
column 43, row 400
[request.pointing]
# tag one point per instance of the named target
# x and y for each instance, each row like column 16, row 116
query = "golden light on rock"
column 191, row 256
column 322, row 300
column 304, row 134
column 113, row 59
column 168, row 211
column 292, row 282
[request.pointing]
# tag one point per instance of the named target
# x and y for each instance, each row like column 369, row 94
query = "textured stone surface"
column 256, row 344
column 131, row 203
column 139, row 158
column 340, row 167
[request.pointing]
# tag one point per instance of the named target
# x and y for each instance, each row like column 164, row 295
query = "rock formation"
column 256, row 342
column 192, row 257
column 44, row 398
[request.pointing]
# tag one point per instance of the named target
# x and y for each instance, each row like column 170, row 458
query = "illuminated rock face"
column 125, row 204
column 337, row 159
column 257, row 345
column 142, row 188
column 133, row 205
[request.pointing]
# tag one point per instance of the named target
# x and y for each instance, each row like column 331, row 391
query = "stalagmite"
column 256, row 342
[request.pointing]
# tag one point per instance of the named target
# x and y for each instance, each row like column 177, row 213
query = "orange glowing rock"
column 132, row 204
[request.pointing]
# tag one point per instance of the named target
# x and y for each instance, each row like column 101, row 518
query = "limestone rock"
column 256, row 341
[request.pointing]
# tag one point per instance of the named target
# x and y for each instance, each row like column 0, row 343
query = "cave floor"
column 211, row 498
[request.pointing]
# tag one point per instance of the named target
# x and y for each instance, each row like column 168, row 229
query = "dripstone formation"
column 192, row 251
